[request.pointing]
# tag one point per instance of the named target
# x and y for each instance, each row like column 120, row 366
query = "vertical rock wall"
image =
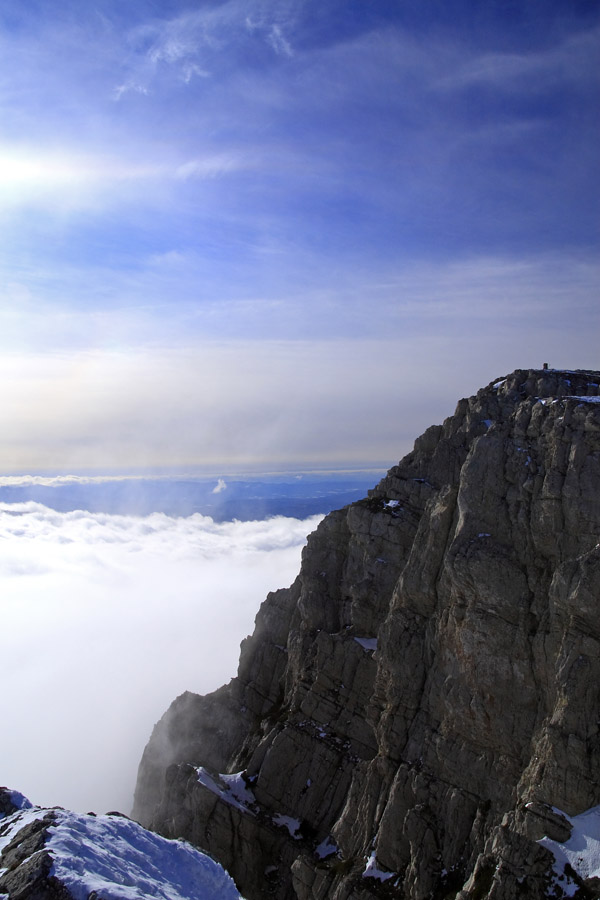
column 405, row 714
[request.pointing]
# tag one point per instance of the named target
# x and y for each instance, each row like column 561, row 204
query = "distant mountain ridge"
column 421, row 707
column 223, row 499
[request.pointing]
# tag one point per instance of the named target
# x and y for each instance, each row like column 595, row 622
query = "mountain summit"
column 417, row 716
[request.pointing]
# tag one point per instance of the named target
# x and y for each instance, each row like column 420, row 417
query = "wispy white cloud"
column 279, row 42
column 32, row 177
column 128, row 86
column 210, row 166
column 200, row 42
column 61, row 480
column 23, row 480
column 105, row 620
column 572, row 60
column 362, row 301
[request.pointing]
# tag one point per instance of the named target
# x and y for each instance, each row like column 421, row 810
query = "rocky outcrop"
column 412, row 714
column 25, row 863
column 53, row 854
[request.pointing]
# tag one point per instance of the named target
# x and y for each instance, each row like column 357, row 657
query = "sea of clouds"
column 105, row 620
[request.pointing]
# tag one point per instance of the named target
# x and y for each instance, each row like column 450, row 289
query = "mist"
column 106, row 619
column 258, row 403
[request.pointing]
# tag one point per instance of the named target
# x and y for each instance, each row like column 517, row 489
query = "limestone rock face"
column 410, row 715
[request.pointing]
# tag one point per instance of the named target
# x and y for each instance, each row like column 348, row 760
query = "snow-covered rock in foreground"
column 53, row 853
column 579, row 854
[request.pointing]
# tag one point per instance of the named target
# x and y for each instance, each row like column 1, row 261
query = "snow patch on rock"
column 367, row 643
column 326, row 848
column 582, row 850
column 372, row 870
column 232, row 789
column 292, row 825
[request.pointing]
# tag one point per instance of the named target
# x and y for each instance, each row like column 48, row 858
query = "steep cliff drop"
column 421, row 707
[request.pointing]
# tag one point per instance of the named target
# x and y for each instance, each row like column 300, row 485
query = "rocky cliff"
column 421, row 706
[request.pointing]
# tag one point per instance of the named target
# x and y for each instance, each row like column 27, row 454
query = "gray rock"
column 427, row 691
column 25, row 864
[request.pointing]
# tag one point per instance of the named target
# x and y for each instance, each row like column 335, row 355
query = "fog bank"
column 106, row 619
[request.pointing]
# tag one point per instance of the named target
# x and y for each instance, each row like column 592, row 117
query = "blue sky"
column 292, row 232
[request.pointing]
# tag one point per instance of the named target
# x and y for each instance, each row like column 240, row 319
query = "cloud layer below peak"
column 106, row 619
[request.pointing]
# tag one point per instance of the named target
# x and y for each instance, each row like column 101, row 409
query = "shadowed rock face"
column 428, row 687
